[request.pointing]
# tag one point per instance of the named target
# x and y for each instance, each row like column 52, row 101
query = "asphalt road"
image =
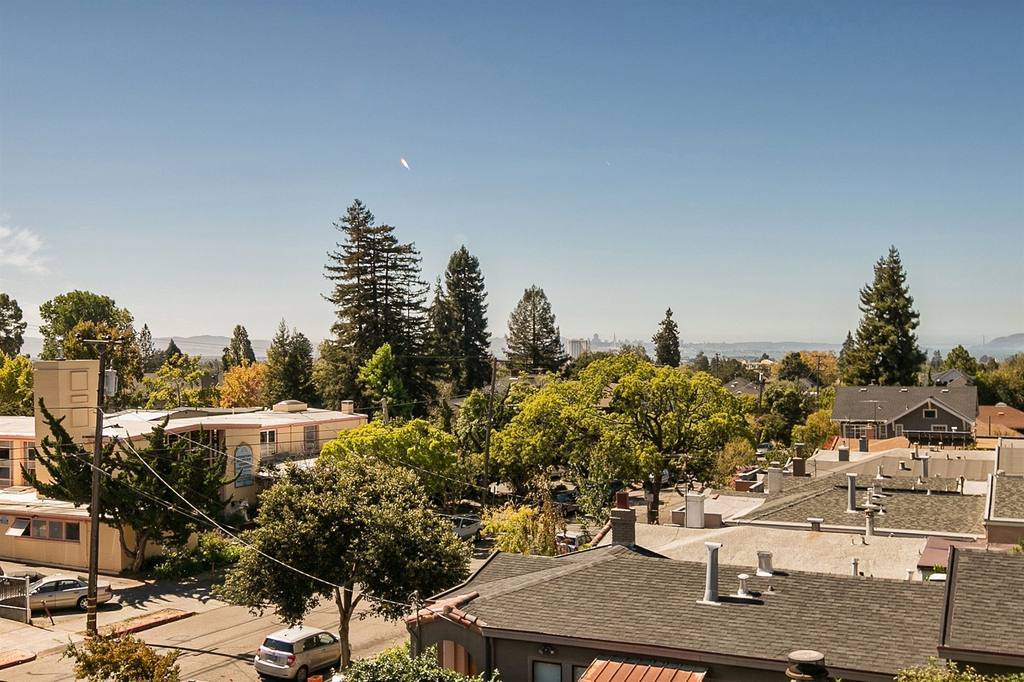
column 218, row 645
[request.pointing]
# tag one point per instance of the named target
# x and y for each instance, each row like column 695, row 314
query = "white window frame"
column 940, row 428
column 897, row 430
column 268, row 442
column 934, row 411
column 7, row 462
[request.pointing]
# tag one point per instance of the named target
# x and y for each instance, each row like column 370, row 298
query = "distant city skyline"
column 742, row 163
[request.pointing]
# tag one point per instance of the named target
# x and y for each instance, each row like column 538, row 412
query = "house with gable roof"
column 941, row 415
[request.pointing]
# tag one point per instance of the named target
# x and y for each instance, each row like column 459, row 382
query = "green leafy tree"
column 135, row 501
column 121, row 658
column 289, row 367
column 379, row 298
column 381, row 382
column 561, row 425
column 12, row 326
column 575, row 366
column 69, row 318
column 666, row 342
column 785, row 400
column 793, row 367
column 177, row 383
column 458, row 319
column 525, row 529
column 1004, row 384
column 936, row 360
column 935, row 671
column 348, row 522
column 959, row 358
column 817, row 428
column 15, row 385
column 151, row 358
column 470, row 423
column 885, row 350
column 675, row 412
column 429, row 452
column 700, row 362
column 534, row 341
column 397, row 665
column 239, row 350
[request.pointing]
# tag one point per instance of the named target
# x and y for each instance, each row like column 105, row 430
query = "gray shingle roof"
column 984, row 603
column 855, row 403
column 907, row 506
column 615, row 595
column 1008, row 497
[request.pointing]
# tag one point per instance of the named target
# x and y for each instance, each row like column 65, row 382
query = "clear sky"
column 743, row 163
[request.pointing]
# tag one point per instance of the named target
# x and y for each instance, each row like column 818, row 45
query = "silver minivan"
column 296, row 652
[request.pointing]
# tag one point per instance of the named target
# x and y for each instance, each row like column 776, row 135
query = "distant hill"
column 208, row 346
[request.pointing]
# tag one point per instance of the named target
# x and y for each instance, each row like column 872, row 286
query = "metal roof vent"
column 807, row 665
column 863, row 390
column 743, row 592
column 764, row 564
column 945, row 390
column 290, row 406
column 904, row 390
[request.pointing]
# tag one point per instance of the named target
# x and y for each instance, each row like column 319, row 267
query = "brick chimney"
column 623, row 520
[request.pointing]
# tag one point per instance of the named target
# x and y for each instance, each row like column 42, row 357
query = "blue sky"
column 743, row 163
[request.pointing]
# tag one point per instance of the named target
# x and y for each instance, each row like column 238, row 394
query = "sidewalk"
column 133, row 599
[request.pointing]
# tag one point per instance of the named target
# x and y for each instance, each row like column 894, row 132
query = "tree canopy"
column 381, row 382
column 379, row 298
column 239, row 350
column 122, row 658
column 534, row 341
column 15, row 385
column 666, row 342
column 884, row 350
column 12, row 326
column 244, row 385
column 346, row 521
column 959, row 358
column 397, row 665
column 289, row 367
column 458, row 316
column 177, row 383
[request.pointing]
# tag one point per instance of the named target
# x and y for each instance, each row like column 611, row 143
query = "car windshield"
column 278, row 645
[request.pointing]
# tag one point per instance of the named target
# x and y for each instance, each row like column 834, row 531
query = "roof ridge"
column 521, row 582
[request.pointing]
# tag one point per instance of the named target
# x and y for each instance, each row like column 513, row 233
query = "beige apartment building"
column 52, row 532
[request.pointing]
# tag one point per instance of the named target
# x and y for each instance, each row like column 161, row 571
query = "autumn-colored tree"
column 244, row 385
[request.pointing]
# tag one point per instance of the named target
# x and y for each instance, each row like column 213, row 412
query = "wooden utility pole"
column 94, row 498
column 490, row 423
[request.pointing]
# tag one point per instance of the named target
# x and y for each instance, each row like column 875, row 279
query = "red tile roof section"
column 620, row 671
column 449, row 610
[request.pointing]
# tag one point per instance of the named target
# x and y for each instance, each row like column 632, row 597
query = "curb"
column 127, row 627
column 15, row 657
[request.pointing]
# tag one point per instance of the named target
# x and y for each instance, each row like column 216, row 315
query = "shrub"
column 121, row 658
column 211, row 552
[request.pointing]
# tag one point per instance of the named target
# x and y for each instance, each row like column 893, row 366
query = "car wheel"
column 83, row 603
column 302, row 674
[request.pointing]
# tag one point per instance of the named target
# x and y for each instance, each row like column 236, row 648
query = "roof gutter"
column 688, row 655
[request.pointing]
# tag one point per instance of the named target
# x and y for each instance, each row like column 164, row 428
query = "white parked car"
column 466, row 527
column 294, row 653
column 65, row 592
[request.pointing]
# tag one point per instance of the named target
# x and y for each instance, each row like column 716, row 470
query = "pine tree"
column 458, row 320
column 534, row 342
column 12, row 327
column 885, row 350
column 172, row 350
column 666, row 342
column 151, row 357
column 239, row 351
column 289, row 373
column 379, row 298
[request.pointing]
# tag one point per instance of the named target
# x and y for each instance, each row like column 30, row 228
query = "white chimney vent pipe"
column 711, row 580
column 855, row 566
column 764, row 564
column 743, row 591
